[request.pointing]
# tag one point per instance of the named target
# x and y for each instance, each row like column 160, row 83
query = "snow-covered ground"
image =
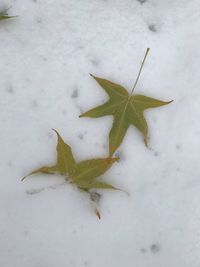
column 46, row 55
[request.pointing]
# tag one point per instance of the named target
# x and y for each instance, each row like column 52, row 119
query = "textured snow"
column 46, row 55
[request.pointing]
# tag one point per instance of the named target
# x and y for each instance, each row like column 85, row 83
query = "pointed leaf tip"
column 98, row 214
column 91, row 75
column 23, row 178
column 146, row 142
column 4, row 15
column 55, row 131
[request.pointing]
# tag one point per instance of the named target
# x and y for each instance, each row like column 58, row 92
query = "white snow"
column 46, row 55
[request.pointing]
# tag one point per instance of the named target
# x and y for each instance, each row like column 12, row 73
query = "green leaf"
column 83, row 174
column 127, row 109
column 4, row 15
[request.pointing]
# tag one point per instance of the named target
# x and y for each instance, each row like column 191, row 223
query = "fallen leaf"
column 127, row 109
column 83, row 174
column 4, row 15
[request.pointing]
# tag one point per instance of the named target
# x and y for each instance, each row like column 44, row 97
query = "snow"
column 47, row 53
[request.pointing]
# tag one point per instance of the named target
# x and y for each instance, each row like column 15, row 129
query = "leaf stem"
column 138, row 76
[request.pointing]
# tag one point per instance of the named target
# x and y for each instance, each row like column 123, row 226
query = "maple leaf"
column 4, row 15
column 83, row 174
column 127, row 109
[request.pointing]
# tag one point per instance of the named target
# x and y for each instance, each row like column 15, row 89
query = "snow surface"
column 45, row 57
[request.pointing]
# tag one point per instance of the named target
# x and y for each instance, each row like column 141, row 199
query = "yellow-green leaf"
column 4, row 15
column 127, row 109
column 83, row 174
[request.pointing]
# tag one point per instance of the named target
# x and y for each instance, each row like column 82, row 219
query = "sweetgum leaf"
column 83, row 174
column 127, row 109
